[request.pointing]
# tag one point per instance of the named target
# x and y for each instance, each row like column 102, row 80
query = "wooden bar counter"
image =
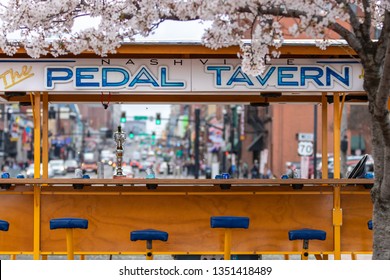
column 183, row 208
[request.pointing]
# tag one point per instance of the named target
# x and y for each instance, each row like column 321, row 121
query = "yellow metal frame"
column 131, row 187
column 44, row 186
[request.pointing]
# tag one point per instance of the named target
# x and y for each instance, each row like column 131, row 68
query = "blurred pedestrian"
column 255, row 171
column 245, row 170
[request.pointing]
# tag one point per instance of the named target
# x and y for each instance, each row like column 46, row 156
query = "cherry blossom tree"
column 48, row 27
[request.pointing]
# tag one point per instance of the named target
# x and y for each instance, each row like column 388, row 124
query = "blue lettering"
column 165, row 83
column 64, row 74
column 282, row 75
column 80, row 76
column 264, row 80
column 244, row 78
column 218, row 70
column 315, row 78
column 107, row 70
column 330, row 72
column 149, row 79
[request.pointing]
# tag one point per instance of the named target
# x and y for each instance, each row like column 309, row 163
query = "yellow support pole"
column 69, row 243
column 305, row 255
column 37, row 173
column 12, row 257
column 149, row 254
column 324, row 136
column 45, row 135
column 337, row 211
column 228, row 244
column 336, row 135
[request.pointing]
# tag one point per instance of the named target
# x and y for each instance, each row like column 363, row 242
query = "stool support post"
column 69, row 243
column 149, row 252
column 12, row 257
column 305, row 250
column 228, row 244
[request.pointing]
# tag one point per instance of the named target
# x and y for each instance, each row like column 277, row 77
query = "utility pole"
column 197, row 128
column 239, row 132
column 315, row 142
column 225, row 120
column 232, row 136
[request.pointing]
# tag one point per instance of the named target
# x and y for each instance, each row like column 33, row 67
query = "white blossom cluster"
column 45, row 27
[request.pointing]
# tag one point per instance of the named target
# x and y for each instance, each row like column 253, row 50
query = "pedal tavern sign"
column 179, row 75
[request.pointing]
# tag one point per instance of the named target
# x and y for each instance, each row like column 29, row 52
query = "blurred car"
column 128, row 171
column 58, row 166
column 134, row 164
column 30, row 171
column 89, row 166
column 71, row 165
column 107, row 157
column 145, row 165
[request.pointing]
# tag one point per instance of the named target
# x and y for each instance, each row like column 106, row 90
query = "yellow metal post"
column 69, row 243
column 45, row 135
column 337, row 214
column 228, row 244
column 12, row 257
column 149, row 254
column 305, row 255
column 37, row 166
column 324, row 136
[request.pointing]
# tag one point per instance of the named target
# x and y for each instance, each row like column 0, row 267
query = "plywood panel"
column 186, row 218
column 18, row 211
column 357, row 210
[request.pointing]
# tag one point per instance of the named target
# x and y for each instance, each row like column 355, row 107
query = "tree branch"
column 383, row 40
column 348, row 36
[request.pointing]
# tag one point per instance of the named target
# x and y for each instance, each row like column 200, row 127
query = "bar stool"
column 228, row 222
column 69, row 224
column 369, row 224
column 306, row 234
column 148, row 235
column 4, row 225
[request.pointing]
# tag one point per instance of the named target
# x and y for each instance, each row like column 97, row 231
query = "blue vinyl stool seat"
column 4, row 225
column 149, row 235
column 369, row 224
column 69, row 224
column 306, row 234
column 228, row 223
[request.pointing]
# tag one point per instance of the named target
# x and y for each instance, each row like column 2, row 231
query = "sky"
column 167, row 31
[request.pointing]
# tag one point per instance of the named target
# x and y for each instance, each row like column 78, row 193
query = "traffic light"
column 131, row 135
column 158, row 118
column 123, row 117
column 153, row 138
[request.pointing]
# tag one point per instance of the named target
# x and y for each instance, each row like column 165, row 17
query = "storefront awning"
column 256, row 143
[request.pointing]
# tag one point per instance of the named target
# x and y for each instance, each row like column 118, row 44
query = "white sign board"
column 178, row 75
column 305, row 148
column 305, row 137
